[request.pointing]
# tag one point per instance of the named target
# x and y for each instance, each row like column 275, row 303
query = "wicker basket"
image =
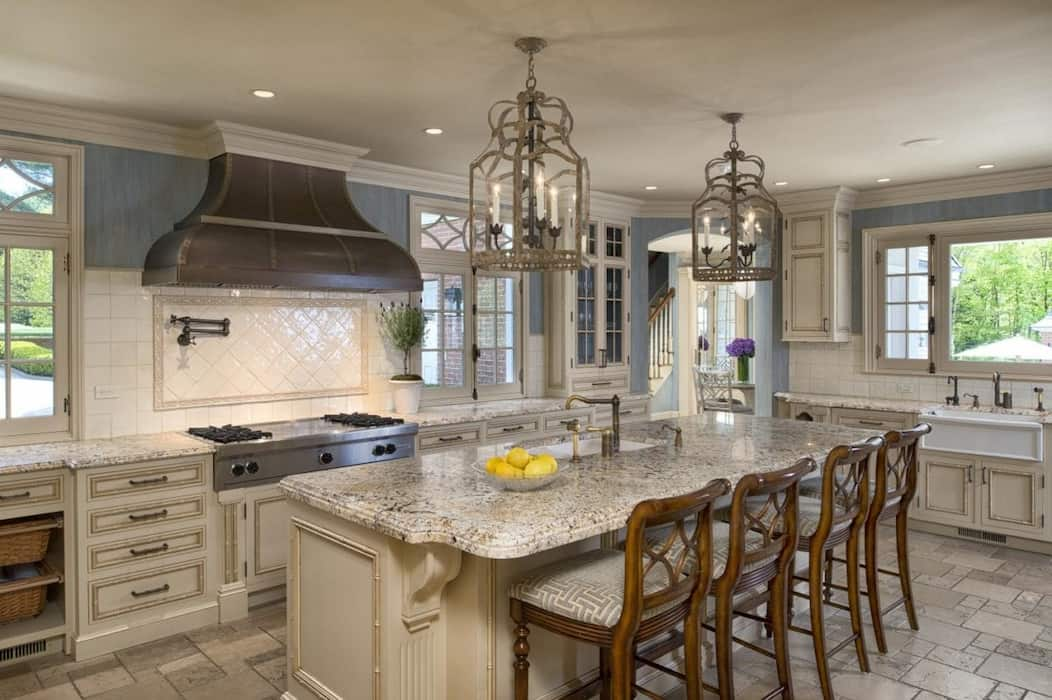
column 25, row 541
column 26, row 597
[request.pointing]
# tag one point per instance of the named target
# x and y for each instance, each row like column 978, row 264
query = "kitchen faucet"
column 615, row 406
column 1001, row 400
column 975, row 401
column 954, row 400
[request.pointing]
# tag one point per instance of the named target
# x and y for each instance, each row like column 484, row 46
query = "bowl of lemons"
column 519, row 470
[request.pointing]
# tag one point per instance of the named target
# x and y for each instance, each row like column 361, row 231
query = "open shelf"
column 50, row 623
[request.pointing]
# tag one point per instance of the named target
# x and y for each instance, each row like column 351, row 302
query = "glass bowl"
column 531, row 483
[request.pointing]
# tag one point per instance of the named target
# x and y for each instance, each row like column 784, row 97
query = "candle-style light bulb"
column 707, row 221
column 496, row 203
column 555, row 205
column 539, row 192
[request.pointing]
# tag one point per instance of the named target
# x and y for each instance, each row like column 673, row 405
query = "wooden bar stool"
column 825, row 524
column 617, row 600
column 756, row 549
column 893, row 487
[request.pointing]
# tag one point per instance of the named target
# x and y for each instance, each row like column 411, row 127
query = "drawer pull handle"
column 513, row 428
column 455, row 438
column 147, row 482
column 626, row 412
column 151, row 550
column 601, row 383
column 15, row 496
column 875, row 423
column 151, row 591
column 163, row 513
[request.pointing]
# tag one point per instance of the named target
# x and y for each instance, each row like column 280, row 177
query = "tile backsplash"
column 119, row 372
column 837, row 368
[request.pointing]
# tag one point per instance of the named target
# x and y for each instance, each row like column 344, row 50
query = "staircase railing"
column 662, row 337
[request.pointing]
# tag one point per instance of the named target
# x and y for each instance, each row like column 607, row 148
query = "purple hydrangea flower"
column 741, row 347
column 703, row 343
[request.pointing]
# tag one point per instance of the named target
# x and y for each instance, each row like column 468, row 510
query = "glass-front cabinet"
column 587, row 316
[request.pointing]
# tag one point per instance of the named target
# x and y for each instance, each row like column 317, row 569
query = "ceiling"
column 830, row 88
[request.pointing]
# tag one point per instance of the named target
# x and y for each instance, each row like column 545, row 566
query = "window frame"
column 459, row 262
column 742, row 319
column 63, row 232
column 941, row 236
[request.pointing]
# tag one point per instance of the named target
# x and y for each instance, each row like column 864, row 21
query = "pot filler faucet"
column 615, row 406
column 954, row 400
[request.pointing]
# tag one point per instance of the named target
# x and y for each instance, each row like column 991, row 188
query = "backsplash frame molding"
column 161, row 326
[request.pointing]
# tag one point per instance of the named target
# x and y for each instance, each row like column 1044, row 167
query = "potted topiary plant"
column 403, row 326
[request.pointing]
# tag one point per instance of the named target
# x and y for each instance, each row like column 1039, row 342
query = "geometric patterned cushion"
column 589, row 588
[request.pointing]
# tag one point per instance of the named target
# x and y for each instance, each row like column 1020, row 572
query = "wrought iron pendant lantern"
column 733, row 221
column 529, row 187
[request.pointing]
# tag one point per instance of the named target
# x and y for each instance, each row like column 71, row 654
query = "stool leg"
column 902, row 545
column 622, row 669
column 521, row 649
column 818, row 632
column 855, row 601
column 779, row 603
column 604, row 673
column 692, row 655
column 873, row 585
column 724, row 625
column 827, row 588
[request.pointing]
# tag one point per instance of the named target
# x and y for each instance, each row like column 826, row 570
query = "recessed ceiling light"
column 781, row 183
column 650, row 188
column 264, row 94
column 921, row 143
column 432, row 131
column 882, row 180
column 986, row 166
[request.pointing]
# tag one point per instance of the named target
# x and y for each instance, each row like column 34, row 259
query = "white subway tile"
column 96, row 306
column 97, row 426
column 123, row 329
column 96, row 281
column 174, row 419
column 123, row 354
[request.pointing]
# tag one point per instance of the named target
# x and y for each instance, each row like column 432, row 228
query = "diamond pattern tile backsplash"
column 277, row 348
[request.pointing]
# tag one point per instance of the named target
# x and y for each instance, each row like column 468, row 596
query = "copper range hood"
column 271, row 224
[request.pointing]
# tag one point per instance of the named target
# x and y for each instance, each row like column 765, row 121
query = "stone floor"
column 985, row 633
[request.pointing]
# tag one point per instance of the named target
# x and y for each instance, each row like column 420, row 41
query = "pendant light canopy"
column 733, row 221
column 529, row 187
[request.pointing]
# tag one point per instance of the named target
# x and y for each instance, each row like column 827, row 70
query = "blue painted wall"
column 1009, row 204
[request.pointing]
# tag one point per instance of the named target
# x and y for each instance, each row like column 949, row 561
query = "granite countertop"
column 486, row 410
column 902, row 405
column 440, row 498
column 79, row 454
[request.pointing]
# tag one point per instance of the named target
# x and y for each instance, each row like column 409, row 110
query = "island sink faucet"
column 615, row 407
column 954, row 400
column 1001, row 400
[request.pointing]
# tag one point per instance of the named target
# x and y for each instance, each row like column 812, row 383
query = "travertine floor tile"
column 1006, row 627
column 65, row 691
column 100, row 682
column 246, row 685
column 948, row 681
column 985, row 589
column 1018, row 672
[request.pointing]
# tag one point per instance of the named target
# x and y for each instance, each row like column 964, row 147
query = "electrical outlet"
column 904, row 388
column 106, row 392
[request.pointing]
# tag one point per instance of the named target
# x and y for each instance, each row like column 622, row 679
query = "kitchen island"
column 398, row 572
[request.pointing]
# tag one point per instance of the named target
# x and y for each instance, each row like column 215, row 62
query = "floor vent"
column 20, row 650
column 982, row 535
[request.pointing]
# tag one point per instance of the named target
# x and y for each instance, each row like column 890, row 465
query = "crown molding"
column 665, row 210
column 228, row 137
column 956, row 188
column 374, row 172
column 38, row 118
column 825, row 197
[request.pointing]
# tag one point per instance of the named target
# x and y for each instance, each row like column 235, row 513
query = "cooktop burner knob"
column 378, row 450
column 252, row 467
column 391, row 447
column 237, row 469
column 325, row 458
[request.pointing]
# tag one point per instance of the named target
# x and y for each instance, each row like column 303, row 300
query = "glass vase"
column 743, row 369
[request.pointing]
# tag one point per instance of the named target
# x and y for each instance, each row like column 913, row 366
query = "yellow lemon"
column 518, row 457
column 506, row 471
column 545, row 457
column 537, row 467
column 493, row 462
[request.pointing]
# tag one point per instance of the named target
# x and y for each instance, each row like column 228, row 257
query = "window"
column 966, row 297
column 466, row 312
column 721, row 317
column 34, row 297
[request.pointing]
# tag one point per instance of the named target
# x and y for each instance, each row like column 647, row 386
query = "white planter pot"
column 407, row 394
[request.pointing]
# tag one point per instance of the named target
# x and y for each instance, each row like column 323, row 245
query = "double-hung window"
column 473, row 343
column 35, row 233
column 721, row 317
column 964, row 297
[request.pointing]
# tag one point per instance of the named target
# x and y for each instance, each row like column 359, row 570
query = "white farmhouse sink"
column 564, row 450
column 982, row 433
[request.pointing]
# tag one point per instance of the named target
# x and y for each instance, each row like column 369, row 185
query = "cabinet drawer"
column 603, row 384
column 555, row 423
column 148, row 548
column 513, row 429
column 450, row 436
column 148, row 589
column 32, row 491
column 143, row 515
column 876, row 420
column 127, row 482
column 632, row 411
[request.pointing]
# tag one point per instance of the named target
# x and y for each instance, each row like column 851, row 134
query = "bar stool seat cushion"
column 589, row 588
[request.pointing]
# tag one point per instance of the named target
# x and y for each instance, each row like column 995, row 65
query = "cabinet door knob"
column 825, row 325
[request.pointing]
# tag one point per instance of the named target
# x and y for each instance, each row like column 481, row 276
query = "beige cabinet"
column 587, row 318
column 877, row 421
column 266, row 537
column 809, row 412
column 816, row 266
column 1011, row 498
column 947, row 489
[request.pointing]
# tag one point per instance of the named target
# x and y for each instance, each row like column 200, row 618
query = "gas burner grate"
column 229, row 433
column 362, row 420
